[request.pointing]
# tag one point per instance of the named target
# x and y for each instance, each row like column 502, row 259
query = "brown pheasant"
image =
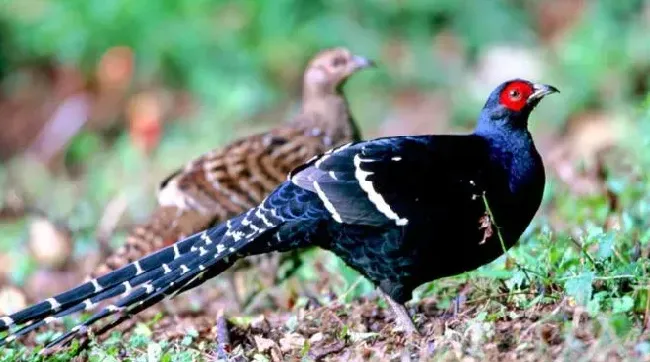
column 225, row 182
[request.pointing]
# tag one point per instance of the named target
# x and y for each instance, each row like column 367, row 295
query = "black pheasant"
column 400, row 210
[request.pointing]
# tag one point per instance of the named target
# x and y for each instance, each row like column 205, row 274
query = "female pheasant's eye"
column 515, row 94
column 338, row 61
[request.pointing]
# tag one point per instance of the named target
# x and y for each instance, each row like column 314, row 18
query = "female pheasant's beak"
column 361, row 62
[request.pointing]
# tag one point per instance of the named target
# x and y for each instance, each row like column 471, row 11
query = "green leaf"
column 304, row 351
column 343, row 332
column 186, row 356
column 361, row 336
column 100, row 355
column 622, row 305
column 481, row 317
column 594, row 305
column 621, row 324
column 81, row 147
column 580, row 287
column 260, row 358
column 154, row 352
column 192, row 333
column 143, row 330
column 187, row 340
column 138, row 340
column 292, row 323
column 605, row 246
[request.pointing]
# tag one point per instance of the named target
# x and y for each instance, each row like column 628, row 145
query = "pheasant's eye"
column 515, row 95
column 338, row 61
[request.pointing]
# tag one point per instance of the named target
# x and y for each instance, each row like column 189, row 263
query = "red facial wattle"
column 515, row 95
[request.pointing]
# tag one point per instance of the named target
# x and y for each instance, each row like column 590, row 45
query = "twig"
column 612, row 277
column 543, row 319
column 582, row 249
column 499, row 295
column 646, row 315
column 503, row 243
column 335, row 347
column 223, row 338
column 350, row 289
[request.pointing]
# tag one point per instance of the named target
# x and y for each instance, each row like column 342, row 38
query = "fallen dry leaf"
column 291, row 341
column 263, row 344
column 485, row 224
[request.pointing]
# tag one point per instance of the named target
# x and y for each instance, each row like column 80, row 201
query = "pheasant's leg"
column 222, row 338
column 402, row 317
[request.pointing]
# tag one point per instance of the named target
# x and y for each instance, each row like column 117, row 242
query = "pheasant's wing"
column 385, row 181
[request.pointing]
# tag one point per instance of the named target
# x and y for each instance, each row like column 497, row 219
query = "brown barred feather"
column 225, row 182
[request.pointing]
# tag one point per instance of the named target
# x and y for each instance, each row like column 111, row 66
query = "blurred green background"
column 202, row 72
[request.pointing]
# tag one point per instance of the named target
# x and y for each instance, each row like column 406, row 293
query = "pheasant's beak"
column 362, row 62
column 540, row 91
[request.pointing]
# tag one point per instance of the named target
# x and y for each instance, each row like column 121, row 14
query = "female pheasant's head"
column 329, row 69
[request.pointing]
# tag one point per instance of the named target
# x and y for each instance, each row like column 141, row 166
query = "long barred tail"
column 160, row 231
column 172, row 270
column 165, row 226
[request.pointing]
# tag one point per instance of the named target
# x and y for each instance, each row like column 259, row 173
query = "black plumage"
column 400, row 210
